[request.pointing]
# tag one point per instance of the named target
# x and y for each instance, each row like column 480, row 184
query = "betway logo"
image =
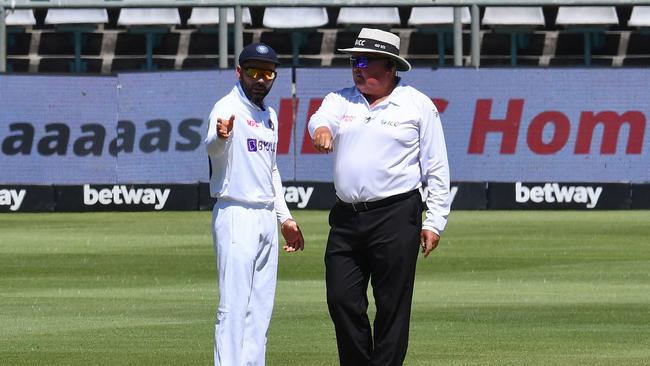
column 299, row 195
column 120, row 195
column 12, row 198
column 553, row 192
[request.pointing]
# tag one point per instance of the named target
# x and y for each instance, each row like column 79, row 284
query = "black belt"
column 365, row 206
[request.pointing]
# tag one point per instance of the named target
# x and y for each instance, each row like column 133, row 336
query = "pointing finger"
column 231, row 122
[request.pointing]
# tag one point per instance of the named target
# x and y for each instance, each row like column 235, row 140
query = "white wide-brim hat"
column 378, row 41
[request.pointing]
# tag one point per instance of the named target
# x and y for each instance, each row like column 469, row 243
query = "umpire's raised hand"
column 224, row 126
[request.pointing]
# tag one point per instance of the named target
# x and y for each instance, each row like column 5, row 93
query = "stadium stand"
column 591, row 22
column 378, row 17
column 433, row 20
column 301, row 23
column 638, row 48
column 354, row 18
column 203, row 47
column 18, row 40
column 184, row 38
column 517, row 23
column 151, row 28
column 73, row 28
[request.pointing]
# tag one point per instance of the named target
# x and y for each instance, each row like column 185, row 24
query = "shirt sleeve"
column 329, row 114
column 214, row 145
column 281, row 209
column 435, row 169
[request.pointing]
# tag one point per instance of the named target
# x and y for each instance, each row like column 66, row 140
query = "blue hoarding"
column 501, row 125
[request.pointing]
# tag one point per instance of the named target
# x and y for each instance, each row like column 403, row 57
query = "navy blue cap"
column 258, row 51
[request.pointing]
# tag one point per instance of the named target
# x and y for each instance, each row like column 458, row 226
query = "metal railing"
column 238, row 4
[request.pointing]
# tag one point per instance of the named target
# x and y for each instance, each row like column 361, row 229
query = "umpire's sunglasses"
column 256, row 73
column 362, row 62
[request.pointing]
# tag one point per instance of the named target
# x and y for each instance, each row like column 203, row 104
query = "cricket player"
column 241, row 143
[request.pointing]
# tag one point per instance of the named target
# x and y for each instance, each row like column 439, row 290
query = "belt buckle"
column 362, row 206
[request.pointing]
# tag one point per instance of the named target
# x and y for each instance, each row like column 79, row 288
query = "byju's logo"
column 255, row 145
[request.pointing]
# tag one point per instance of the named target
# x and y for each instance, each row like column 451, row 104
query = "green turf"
column 504, row 288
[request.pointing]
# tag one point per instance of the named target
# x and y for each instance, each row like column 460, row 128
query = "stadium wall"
column 532, row 134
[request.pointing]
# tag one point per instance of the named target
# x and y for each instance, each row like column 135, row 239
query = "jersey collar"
column 393, row 98
column 245, row 100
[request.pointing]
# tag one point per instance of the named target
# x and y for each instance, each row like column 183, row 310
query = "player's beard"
column 256, row 92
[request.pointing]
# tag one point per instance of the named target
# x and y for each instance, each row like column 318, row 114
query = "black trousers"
column 379, row 246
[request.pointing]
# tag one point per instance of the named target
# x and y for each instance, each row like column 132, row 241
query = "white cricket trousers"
column 246, row 246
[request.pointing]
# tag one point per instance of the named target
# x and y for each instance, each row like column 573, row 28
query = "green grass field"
column 503, row 288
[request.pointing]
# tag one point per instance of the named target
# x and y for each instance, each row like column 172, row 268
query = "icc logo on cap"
column 262, row 49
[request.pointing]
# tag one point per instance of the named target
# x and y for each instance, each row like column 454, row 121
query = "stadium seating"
column 516, row 22
column 377, row 17
column 203, row 45
column 638, row 49
column 186, row 38
column 210, row 16
column 436, row 20
column 20, row 17
column 17, row 39
column 72, row 24
column 591, row 21
column 154, row 24
column 352, row 19
column 298, row 21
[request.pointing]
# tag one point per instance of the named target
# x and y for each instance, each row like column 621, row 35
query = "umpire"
column 387, row 139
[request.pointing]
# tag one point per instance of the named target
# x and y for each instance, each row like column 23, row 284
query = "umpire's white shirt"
column 243, row 165
column 388, row 149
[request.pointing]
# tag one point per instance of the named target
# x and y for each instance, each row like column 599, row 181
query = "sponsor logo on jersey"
column 256, row 124
column 259, row 145
column 121, row 195
column 554, row 192
column 390, row 123
column 252, row 144
column 12, row 198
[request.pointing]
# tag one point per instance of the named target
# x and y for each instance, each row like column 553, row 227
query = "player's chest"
column 257, row 132
column 383, row 125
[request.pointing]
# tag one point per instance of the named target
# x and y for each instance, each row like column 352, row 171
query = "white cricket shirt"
column 388, row 149
column 243, row 165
